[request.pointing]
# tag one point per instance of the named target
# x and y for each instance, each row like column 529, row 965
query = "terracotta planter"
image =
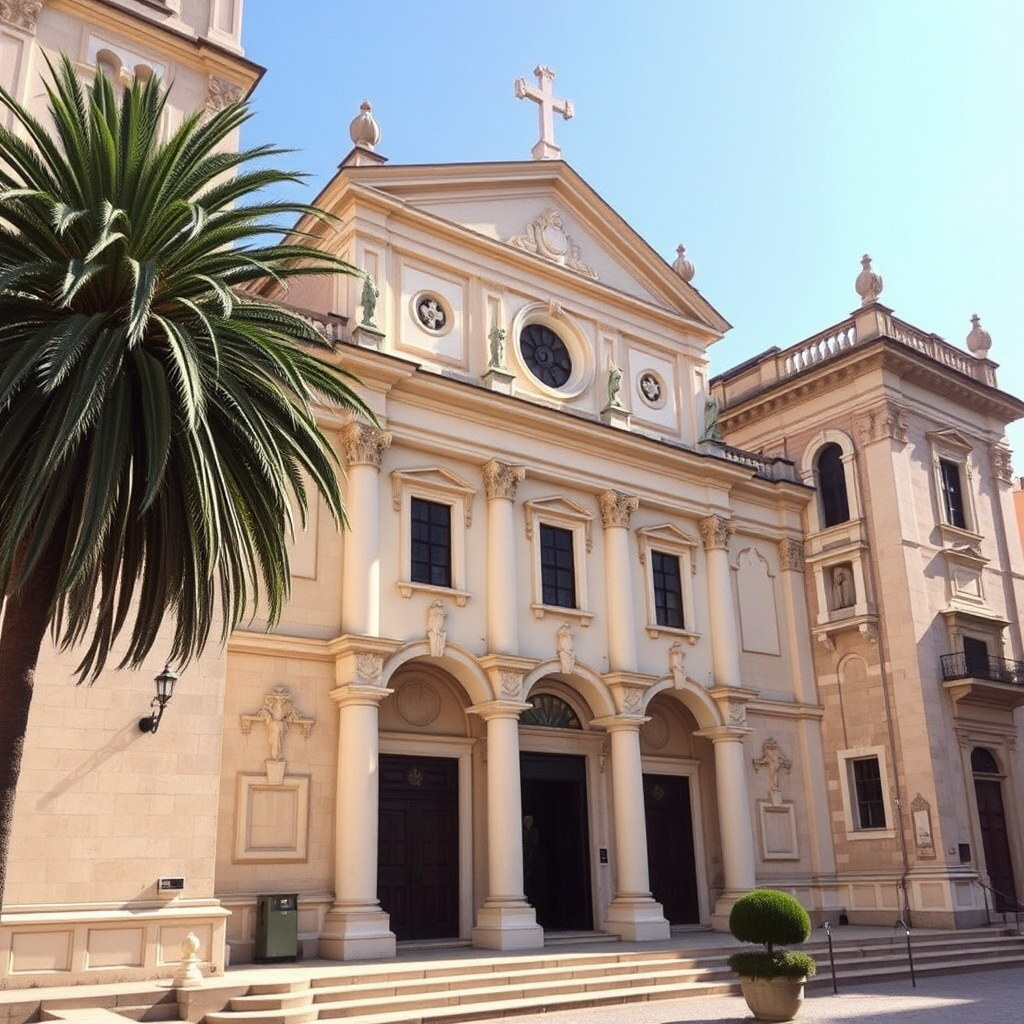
column 773, row 999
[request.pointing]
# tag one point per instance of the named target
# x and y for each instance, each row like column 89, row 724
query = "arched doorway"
column 424, row 847
column 995, row 840
column 673, row 784
column 556, row 827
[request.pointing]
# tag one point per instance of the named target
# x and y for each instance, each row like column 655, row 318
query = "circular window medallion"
column 545, row 354
column 431, row 312
column 418, row 703
column 655, row 732
column 651, row 388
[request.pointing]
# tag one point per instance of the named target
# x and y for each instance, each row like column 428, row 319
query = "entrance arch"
column 995, row 839
column 425, row 787
column 557, row 751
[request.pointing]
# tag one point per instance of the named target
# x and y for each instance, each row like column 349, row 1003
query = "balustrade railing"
column 976, row 666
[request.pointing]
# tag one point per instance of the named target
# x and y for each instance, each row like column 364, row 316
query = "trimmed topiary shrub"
column 770, row 918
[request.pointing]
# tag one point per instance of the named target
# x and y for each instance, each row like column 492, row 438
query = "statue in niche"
column 566, row 649
column 277, row 714
column 497, row 339
column 842, row 587
column 711, row 431
column 436, row 616
column 368, row 300
column 614, row 386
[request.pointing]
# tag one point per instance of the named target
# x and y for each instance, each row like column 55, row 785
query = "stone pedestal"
column 614, row 417
column 368, row 337
column 499, row 380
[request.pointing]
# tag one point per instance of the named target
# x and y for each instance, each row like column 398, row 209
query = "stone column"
column 725, row 649
column 360, row 579
column 501, row 481
column 633, row 914
column 734, row 819
column 616, row 508
column 356, row 927
column 506, row 920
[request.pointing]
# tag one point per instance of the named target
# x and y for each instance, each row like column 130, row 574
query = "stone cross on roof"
column 544, row 97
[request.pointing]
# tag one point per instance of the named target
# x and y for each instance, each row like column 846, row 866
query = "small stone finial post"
column 189, row 974
column 364, row 131
column 543, row 95
column 868, row 283
column 979, row 341
column 682, row 266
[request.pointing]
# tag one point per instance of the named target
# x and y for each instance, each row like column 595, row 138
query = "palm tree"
column 157, row 418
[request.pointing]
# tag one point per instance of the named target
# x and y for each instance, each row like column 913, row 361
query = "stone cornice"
column 184, row 47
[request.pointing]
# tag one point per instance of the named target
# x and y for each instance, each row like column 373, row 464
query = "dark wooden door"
column 995, row 840
column 556, row 844
column 670, row 855
column 418, row 851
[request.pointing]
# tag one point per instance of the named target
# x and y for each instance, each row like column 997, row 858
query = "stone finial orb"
column 682, row 266
column 868, row 283
column 979, row 341
column 364, row 131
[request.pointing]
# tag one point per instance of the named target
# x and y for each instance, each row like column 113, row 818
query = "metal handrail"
column 831, row 956
column 910, row 953
column 1018, row 907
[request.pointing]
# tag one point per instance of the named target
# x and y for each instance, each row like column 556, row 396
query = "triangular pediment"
column 541, row 213
column 950, row 439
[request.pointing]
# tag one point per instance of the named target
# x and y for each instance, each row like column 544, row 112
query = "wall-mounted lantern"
column 164, row 689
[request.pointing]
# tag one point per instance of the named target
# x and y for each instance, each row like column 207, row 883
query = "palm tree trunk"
column 26, row 616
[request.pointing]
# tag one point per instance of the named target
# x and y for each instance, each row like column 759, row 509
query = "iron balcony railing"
column 974, row 666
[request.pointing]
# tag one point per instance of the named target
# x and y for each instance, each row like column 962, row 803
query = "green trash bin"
column 277, row 927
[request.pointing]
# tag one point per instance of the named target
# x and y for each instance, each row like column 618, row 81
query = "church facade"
column 587, row 659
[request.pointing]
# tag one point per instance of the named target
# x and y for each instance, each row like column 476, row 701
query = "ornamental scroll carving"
column 632, row 699
column 715, row 532
column 566, row 649
column 791, row 555
column 20, row 13
column 1002, row 463
column 884, row 421
column 277, row 715
column 369, row 669
column 736, row 713
column 545, row 236
column 773, row 761
column 616, row 508
column 502, row 479
column 511, row 684
column 364, row 445
column 677, row 665
column 436, row 634
column 921, row 815
column 221, row 93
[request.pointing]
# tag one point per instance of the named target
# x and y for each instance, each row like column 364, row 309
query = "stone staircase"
column 460, row 987
column 449, row 992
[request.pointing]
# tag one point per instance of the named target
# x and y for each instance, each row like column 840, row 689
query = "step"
column 294, row 1016
column 272, row 1001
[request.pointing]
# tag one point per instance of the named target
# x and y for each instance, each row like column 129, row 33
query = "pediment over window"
column 433, row 481
column 950, row 440
column 557, row 509
column 667, row 536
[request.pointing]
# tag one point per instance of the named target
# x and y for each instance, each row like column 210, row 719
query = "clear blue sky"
column 779, row 141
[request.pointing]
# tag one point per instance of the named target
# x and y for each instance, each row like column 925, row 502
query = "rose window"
column 546, row 355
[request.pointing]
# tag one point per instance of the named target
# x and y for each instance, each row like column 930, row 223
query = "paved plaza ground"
column 982, row 997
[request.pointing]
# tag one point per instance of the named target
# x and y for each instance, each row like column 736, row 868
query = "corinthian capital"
column 791, row 554
column 715, row 532
column 364, row 445
column 501, row 479
column 20, row 13
column 616, row 507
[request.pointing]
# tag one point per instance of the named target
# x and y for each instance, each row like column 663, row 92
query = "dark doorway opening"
column 995, row 839
column 670, row 853
column 418, row 848
column 556, row 843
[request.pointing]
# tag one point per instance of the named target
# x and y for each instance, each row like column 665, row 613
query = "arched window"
column 983, row 763
column 831, row 473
